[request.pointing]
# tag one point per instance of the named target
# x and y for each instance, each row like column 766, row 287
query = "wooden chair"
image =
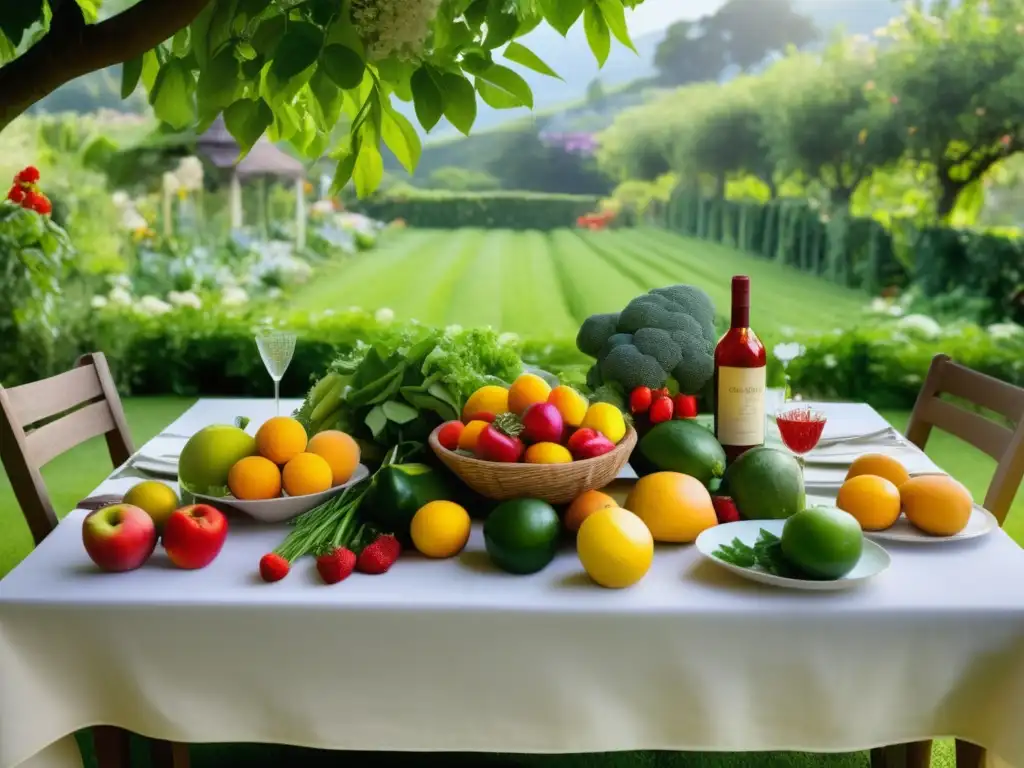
column 1003, row 444
column 40, row 421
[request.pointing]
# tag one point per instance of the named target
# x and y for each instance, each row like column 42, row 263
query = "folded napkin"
column 162, row 449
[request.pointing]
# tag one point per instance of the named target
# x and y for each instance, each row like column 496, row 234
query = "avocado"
column 398, row 492
column 766, row 484
column 681, row 446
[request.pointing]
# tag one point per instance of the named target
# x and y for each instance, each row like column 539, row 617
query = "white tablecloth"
column 454, row 655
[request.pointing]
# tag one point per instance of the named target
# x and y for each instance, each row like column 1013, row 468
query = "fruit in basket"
column 606, row 419
column 527, row 389
column 542, row 423
column 766, row 484
column 195, row 535
column 155, row 498
column 615, row 547
column 118, row 538
column 593, row 446
column 500, row 441
column 547, row 453
column 450, row 433
column 570, row 404
column 576, row 440
column 340, row 452
column 280, row 439
column 880, row 465
column 521, row 535
column 583, row 506
column 208, row 456
column 680, row 446
column 822, row 542
column 397, row 492
column 440, row 529
column 486, row 403
column 471, row 434
column 936, row 504
column 255, row 478
column 305, row 474
column 873, row 501
column 675, row 507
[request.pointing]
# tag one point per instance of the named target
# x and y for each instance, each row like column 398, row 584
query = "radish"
column 542, row 423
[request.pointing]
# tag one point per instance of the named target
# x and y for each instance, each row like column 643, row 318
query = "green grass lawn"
column 75, row 474
column 546, row 283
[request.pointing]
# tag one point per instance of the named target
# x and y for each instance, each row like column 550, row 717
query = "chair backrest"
column 1002, row 443
column 86, row 405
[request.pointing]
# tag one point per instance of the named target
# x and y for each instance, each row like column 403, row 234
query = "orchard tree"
column 291, row 68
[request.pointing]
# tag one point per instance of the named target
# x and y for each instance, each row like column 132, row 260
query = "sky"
column 658, row 14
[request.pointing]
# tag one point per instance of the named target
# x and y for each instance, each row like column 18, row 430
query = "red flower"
column 28, row 176
column 16, row 195
column 42, row 205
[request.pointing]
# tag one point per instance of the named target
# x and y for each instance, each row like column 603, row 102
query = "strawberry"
column 17, row 194
column 685, row 406
column 336, row 566
column 661, row 410
column 273, row 567
column 579, row 437
column 640, row 400
column 28, row 176
column 379, row 556
column 725, row 509
column 663, row 392
column 41, row 204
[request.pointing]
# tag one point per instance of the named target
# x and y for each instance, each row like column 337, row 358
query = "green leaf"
column 131, row 73
column 150, row 69
column 400, row 413
column 241, row 421
column 297, row 51
column 520, row 54
column 344, row 66
column 615, row 18
column 562, row 14
column 171, row 97
column 401, row 137
column 246, row 120
column 218, row 83
column 369, row 169
column 501, row 25
column 180, row 43
column 459, row 101
column 495, row 97
column 343, row 171
column 508, row 82
column 18, row 16
column 245, row 52
column 598, row 36
column 329, row 99
column 476, row 14
column 427, row 98
column 287, row 122
column 475, row 62
column 90, row 10
column 268, row 36
column 376, row 420
column 200, row 29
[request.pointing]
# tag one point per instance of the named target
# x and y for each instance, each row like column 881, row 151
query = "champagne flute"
column 276, row 348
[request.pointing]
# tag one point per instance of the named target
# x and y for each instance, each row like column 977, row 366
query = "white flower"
column 120, row 198
column 151, row 305
column 132, row 220
column 98, row 302
column 120, row 281
column 119, row 295
column 384, row 315
column 895, row 310
column 171, row 183
column 1004, row 330
column 185, row 299
column 322, row 207
column 394, row 27
column 830, row 361
column 233, row 296
column 190, row 173
column 787, row 353
column 879, row 305
column 508, row 338
column 923, row 324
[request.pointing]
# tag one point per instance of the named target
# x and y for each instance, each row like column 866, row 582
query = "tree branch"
column 71, row 48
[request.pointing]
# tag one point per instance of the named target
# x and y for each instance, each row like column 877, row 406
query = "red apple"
column 120, row 537
column 193, row 536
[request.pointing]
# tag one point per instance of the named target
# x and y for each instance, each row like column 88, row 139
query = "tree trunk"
column 947, row 198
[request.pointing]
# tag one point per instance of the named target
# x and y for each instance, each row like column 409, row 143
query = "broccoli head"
column 669, row 332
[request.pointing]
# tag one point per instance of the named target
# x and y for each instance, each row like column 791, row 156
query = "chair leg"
column 112, row 747
column 917, row 754
column 969, row 755
column 168, row 754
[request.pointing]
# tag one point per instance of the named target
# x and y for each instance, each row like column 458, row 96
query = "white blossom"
column 132, row 220
column 830, row 361
column 119, row 295
column 185, row 299
column 787, row 353
column 98, row 302
column 151, row 305
column 322, row 208
column 895, row 310
column 190, row 173
column 922, row 324
column 879, row 306
column 394, row 27
column 171, row 183
column 120, row 198
column 384, row 315
column 1004, row 330
column 120, row 281
column 233, row 296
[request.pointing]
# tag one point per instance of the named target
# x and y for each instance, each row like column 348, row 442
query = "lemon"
column 606, row 419
column 440, row 529
column 155, row 498
column 615, row 547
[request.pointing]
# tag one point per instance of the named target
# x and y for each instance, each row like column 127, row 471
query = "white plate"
column 873, row 560
column 980, row 523
column 156, row 467
column 285, row 507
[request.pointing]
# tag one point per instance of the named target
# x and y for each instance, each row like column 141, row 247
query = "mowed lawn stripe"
column 430, row 286
column 477, row 297
column 590, row 285
column 649, row 272
column 532, row 302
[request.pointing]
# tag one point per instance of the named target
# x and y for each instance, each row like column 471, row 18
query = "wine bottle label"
column 741, row 405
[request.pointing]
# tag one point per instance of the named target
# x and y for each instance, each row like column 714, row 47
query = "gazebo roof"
column 264, row 159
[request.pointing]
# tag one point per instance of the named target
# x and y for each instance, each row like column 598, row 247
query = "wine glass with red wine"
column 800, row 427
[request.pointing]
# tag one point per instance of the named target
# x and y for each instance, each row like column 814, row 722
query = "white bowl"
column 286, row 507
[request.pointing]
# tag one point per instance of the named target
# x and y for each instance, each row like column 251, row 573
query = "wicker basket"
column 553, row 483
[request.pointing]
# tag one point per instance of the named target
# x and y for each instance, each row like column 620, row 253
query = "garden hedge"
column 487, row 210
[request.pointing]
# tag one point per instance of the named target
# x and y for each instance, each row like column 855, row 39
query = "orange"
column 440, row 529
column 339, row 450
column 606, row 419
column 570, row 403
column 547, row 453
column 280, row 439
column 486, row 400
column 583, row 506
column 469, row 436
column 254, row 478
column 615, row 548
column 937, row 504
column 880, row 465
column 526, row 390
column 307, row 473
column 873, row 501
column 676, row 507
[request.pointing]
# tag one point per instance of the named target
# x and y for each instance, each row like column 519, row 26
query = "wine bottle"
column 740, row 379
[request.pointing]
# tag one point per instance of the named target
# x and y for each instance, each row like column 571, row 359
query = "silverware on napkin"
column 99, row 501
